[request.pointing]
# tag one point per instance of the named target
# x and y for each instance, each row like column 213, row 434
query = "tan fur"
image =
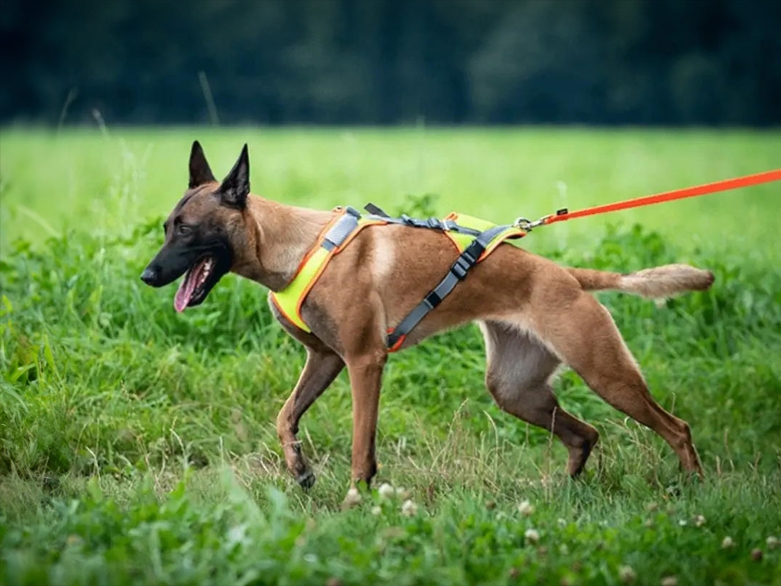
column 382, row 259
column 658, row 282
column 548, row 319
column 535, row 315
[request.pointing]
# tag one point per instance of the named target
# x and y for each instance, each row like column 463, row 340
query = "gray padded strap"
column 458, row 271
column 340, row 231
column 377, row 213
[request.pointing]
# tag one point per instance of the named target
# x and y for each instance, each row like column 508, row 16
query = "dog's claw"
column 306, row 480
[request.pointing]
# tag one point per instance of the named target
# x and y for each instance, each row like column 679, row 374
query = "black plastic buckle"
column 418, row 223
column 473, row 251
column 352, row 211
column 435, row 223
column 461, row 267
column 468, row 256
column 433, row 299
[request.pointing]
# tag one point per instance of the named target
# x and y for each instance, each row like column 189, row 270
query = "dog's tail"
column 658, row 282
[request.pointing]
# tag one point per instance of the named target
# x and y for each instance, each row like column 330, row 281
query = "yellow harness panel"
column 461, row 240
column 291, row 298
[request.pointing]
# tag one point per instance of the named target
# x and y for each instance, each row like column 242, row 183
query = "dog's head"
column 200, row 231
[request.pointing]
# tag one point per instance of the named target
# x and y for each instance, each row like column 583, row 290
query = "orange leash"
column 725, row 185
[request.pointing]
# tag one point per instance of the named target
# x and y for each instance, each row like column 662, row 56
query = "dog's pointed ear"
column 235, row 187
column 200, row 172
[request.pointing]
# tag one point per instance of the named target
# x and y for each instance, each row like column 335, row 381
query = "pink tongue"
column 185, row 291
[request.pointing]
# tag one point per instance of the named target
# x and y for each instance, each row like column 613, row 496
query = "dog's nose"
column 149, row 276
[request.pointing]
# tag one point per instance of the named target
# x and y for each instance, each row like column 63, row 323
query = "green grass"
column 138, row 445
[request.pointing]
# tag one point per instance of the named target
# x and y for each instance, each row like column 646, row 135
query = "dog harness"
column 474, row 239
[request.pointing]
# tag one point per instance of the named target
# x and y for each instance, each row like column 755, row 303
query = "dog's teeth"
column 205, row 272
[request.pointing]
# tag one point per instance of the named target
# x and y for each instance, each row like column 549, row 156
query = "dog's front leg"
column 322, row 367
column 365, row 381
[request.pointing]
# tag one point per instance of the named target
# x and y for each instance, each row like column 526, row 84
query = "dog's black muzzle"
column 171, row 262
column 151, row 276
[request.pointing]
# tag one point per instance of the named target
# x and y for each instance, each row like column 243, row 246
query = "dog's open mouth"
column 198, row 280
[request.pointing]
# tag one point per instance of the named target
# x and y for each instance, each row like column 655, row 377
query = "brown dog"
column 534, row 314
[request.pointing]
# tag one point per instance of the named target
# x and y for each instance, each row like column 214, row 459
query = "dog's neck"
column 277, row 239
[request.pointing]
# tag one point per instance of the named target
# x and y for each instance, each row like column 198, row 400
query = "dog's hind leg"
column 519, row 368
column 583, row 334
column 322, row 367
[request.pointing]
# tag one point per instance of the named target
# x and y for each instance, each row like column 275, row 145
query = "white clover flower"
column 386, row 491
column 532, row 535
column 409, row 509
column 526, row 509
column 727, row 542
column 772, row 542
column 699, row 521
column 376, row 510
column 669, row 581
column 353, row 498
column 626, row 574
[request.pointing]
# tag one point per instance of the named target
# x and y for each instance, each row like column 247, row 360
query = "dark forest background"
column 643, row 62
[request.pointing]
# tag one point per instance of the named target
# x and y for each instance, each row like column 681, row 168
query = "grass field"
column 138, row 445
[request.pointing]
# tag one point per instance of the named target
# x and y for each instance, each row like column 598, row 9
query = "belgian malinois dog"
column 534, row 314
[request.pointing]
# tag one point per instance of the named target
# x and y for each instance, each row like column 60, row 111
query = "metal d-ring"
column 527, row 225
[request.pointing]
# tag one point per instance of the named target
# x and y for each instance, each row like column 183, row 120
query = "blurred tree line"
column 392, row 61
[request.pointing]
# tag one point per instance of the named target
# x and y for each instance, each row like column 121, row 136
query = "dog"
column 534, row 314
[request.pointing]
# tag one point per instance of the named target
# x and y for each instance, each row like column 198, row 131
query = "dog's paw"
column 306, row 480
column 352, row 499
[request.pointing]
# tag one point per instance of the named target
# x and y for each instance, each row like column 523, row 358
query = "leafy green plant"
column 137, row 445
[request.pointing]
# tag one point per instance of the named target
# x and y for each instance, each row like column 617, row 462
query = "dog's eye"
column 183, row 229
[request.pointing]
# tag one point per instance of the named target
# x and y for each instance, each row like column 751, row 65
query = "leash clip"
column 527, row 225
